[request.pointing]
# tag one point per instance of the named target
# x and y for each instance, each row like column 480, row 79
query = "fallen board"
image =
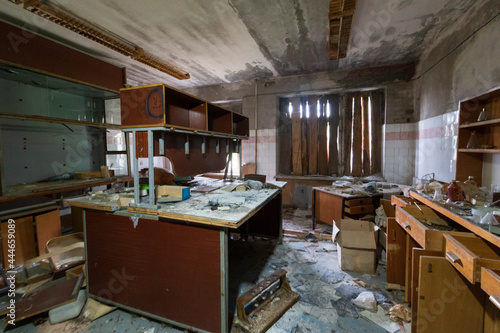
column 46, row 298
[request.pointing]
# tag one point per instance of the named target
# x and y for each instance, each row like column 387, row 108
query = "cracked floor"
column 312, row 271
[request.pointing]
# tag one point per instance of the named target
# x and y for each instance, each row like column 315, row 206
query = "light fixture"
column 98, row 35
column 341, row 14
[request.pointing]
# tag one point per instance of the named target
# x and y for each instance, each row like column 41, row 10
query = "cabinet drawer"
column 359, row 209
column 426, row 236
column 401, row 201
column 469, row 254
column 490, row 283
column 358, row 202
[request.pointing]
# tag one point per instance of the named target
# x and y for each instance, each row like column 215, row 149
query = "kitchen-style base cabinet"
column 447, row 302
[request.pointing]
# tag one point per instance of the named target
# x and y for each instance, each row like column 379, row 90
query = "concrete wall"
column 462, row 62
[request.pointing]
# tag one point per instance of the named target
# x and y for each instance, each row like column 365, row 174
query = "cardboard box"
column 356, row 245
column 172, row 192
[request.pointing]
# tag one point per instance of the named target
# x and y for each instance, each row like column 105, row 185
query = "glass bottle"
column 473, row 141
column 455, row 191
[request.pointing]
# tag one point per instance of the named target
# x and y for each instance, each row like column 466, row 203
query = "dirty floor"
column 312, row 270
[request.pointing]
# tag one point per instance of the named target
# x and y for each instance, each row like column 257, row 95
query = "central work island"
column 172, row 264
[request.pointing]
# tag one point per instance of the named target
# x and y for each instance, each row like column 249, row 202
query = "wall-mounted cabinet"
column 159, row 105
column 478, row 134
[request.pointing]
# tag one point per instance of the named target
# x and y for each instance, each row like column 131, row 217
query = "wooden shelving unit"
column 470, row 160
column 159, row 105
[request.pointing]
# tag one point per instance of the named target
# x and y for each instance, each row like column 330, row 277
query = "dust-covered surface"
column 221, row 205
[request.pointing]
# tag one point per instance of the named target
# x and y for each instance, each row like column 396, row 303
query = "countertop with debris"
column 217, row 206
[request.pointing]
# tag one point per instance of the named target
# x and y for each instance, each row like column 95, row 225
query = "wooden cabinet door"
column 25, row 240
column 48, row 226
column 395, row 251
column 417, row 253
column 447, row 302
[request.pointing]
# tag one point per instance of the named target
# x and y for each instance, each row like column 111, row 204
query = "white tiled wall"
column 437, row 146
column 266, row 152
column 399, row 153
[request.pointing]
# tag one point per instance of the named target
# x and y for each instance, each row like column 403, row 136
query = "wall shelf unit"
column 470, row 160
column 194, row 134
column 159, row 105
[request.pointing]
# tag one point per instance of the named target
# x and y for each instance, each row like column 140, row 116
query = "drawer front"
column 460, row 257
column 358, row 202
column 490, row 281
column 413, row 227
column 359, row 209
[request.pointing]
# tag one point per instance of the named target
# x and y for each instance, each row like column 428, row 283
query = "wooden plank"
column 334, row 127
column 348, row 112
column 446, row 301
column 171, row 270
column 313, row 135
column 285, row 139
column 47, row 226
column 304, row 138
column 377, row 106
column 417, row 253
column 46, row 298
column 323, row 167
column 296, row 139
column 357, row 136
column 365, row 129
column 25, row 240
column 395, row 249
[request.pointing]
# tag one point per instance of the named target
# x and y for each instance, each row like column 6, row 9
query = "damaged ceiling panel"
column 224, row 41
column 340, row 15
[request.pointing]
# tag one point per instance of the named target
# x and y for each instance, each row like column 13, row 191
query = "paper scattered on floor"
column 381, row 319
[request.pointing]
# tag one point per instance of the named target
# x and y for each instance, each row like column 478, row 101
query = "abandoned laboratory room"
column 281, row 166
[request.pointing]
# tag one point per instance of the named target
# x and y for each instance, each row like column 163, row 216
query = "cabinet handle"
column 406, row 225
column 495, row 299
column 452, row 257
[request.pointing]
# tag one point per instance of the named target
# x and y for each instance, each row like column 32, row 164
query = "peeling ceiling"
column 225, row 41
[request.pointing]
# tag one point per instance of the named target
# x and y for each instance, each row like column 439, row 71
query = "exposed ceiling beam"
column 99, row 35
column 340, row 15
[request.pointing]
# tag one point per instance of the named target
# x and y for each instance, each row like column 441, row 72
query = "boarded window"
column 331, row 134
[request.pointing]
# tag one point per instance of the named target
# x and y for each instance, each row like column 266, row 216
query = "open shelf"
column 481, row 123
column 219, row 120
column 46, row 188
column 240, row 125
column 470, row 161
column 58, row 120
column 479, row 150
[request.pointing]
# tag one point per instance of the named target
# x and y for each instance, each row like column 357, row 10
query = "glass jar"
column 455, row 192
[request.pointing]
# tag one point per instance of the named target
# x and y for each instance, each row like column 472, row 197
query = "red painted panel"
column 27, row 49
column 171, row 270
